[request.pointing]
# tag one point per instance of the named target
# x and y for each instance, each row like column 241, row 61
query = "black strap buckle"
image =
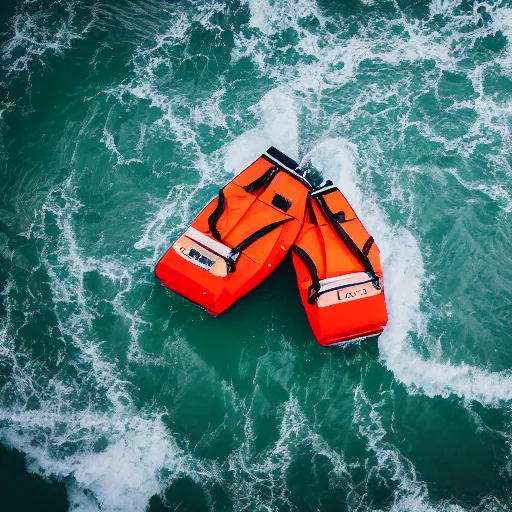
column 231, row 261
column 312, row 294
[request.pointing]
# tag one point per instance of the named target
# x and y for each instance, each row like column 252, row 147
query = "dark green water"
column 118, row 121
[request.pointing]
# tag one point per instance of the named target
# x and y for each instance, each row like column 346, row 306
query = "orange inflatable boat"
column 240, row 237
column 338, row 269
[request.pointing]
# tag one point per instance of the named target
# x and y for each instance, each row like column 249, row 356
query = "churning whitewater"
column 119, row 121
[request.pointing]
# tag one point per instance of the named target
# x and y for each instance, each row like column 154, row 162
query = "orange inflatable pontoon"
column 240, row 237
column 338, row 269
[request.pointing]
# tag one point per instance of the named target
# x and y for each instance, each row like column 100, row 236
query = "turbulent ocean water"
column 118, row 121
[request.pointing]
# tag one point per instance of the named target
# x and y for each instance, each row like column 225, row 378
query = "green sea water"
column 118, row 121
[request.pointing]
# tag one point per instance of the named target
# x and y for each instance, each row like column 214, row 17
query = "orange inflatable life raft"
column 240, row 237
column 338, row 269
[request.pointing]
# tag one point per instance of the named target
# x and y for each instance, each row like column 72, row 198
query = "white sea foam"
column 37, row 30
column 114, row 456
column 277, row 126
column 496, row 192
column 139, row 459
column 130, row 465
column 267, row 471
column 404, row 269
column 333, row 62
column 108, row 140
column 410, row 493
column 259, row 10
column 281, row 14
column 405, row 280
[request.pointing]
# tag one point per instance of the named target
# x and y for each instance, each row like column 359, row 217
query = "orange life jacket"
column 339, row 273
column 240, row 237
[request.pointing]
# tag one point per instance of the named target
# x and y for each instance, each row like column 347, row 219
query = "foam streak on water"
column 405, row 275
column 405, row 282
column 118, row 455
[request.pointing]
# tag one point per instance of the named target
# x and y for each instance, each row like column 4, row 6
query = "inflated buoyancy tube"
column 339, row 273
column 240, row 237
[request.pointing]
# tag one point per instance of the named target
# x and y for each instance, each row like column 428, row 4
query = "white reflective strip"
column 295, row 173
column 322, row 190
column 206, row 241
column 353, row 341
column 280, row 163
column 348, row 279
column 329, row 280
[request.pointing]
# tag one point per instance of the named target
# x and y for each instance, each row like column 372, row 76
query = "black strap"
column 283, row 159
column 264, row 179
column 327, row 188
column 340, row 216
column 367, row 246
column 239, row 248
column 215, row 215
column 313, row 272
column 311, row 212
column 345, row 238
column 314, row 290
